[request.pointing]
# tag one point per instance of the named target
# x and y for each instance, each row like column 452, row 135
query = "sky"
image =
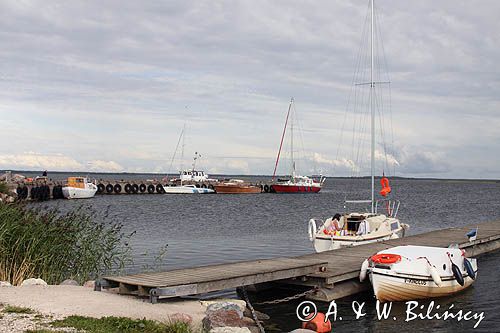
column 108, row 86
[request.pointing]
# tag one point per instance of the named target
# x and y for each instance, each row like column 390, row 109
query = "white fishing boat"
column 415, row 272
column 79, row 188
column 187, row 189
column 188, row 175
column 379, row 222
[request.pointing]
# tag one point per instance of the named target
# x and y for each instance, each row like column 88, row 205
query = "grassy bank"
column 39, row 323
column 54, row 246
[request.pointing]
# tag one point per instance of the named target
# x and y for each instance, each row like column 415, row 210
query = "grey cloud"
column 125, row 71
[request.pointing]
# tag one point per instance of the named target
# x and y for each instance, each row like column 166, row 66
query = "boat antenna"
column 282, row 137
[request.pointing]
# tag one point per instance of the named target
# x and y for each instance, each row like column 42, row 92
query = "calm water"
column 208, row 229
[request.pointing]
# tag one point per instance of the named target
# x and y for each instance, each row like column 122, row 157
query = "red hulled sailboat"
column 294, row 183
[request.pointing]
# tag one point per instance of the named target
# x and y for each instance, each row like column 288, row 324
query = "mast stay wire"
column 352, row 92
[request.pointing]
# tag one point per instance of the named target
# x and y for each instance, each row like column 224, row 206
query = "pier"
column 45, row 189
column 334, row 274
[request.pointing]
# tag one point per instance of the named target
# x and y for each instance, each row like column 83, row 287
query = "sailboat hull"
column 296, row 188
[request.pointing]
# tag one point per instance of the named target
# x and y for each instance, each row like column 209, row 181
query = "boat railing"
column 388, row 207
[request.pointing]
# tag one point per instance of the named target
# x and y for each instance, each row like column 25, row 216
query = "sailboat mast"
column 372, row 111
column 291, row 147
column 282, row 137
column 183, row 133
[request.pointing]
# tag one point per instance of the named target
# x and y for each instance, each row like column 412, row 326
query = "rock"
column 33, row 282
column 5, row 284
column 240, row 303
column 254, row 329
column 225, row 306
column 89, row 284
column 301, row 330
column 248, row 322
column 223, row 318
column 69, row 282
column 181, row 317
column 230, row 330
column 260, row 316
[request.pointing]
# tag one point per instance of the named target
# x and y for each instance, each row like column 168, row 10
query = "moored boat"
column 79, row 188
column 236, row 186
column 187, row 189
column 416, row 272
column 357, row 228
column 380, row 221
column 294, row 182
column 298, row 184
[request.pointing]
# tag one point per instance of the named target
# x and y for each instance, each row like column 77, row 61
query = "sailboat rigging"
column 295, row 183
column 356, row 228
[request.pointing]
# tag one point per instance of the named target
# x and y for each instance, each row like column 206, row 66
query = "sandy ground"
column 62, row 301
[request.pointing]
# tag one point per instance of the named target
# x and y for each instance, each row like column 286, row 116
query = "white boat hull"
column 186, row 190
column 398, row 287
column 413, row 272
column 78, row 193
column 328, row 244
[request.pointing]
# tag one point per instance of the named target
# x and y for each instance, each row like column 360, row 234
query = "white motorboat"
column 380, row 222
column 79, row 188
column 352, row 229
column 191, row 175
column 187, row 189
column 415, row 272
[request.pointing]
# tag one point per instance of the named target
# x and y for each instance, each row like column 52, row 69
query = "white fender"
column 435, row 276
column 363, row 271
column 312, row 230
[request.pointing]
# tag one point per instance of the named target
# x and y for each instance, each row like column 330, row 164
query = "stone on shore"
column 302, row 330
column 240, row 303
column 222, row 318
column 5, row 284
column 33, row 282
column 69, row 282
column 225, row 306
column 181, row 317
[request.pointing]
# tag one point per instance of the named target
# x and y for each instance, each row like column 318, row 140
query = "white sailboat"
column 380, row 223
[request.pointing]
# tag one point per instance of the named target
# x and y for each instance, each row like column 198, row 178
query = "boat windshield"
column 362, row 206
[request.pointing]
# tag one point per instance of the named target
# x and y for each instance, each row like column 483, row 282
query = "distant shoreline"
column 241, row 175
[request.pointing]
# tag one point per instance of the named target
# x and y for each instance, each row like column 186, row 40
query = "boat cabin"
column 193, row 175
column 78, row 182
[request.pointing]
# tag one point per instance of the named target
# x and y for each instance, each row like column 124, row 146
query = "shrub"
column 55, row 247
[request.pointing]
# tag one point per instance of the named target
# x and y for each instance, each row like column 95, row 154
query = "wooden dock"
column 333, row 273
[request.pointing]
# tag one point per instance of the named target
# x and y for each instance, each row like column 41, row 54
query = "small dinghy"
column 414, row 272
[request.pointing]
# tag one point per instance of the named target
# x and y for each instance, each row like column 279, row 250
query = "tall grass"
column 4, row 188
column 54, row 246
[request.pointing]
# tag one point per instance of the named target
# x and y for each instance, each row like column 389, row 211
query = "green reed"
column 4, row 188
column 54, row 246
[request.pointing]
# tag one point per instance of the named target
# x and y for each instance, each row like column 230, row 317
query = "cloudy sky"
column 108, row 86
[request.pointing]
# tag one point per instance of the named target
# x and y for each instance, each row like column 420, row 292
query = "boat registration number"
column 413, row 281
